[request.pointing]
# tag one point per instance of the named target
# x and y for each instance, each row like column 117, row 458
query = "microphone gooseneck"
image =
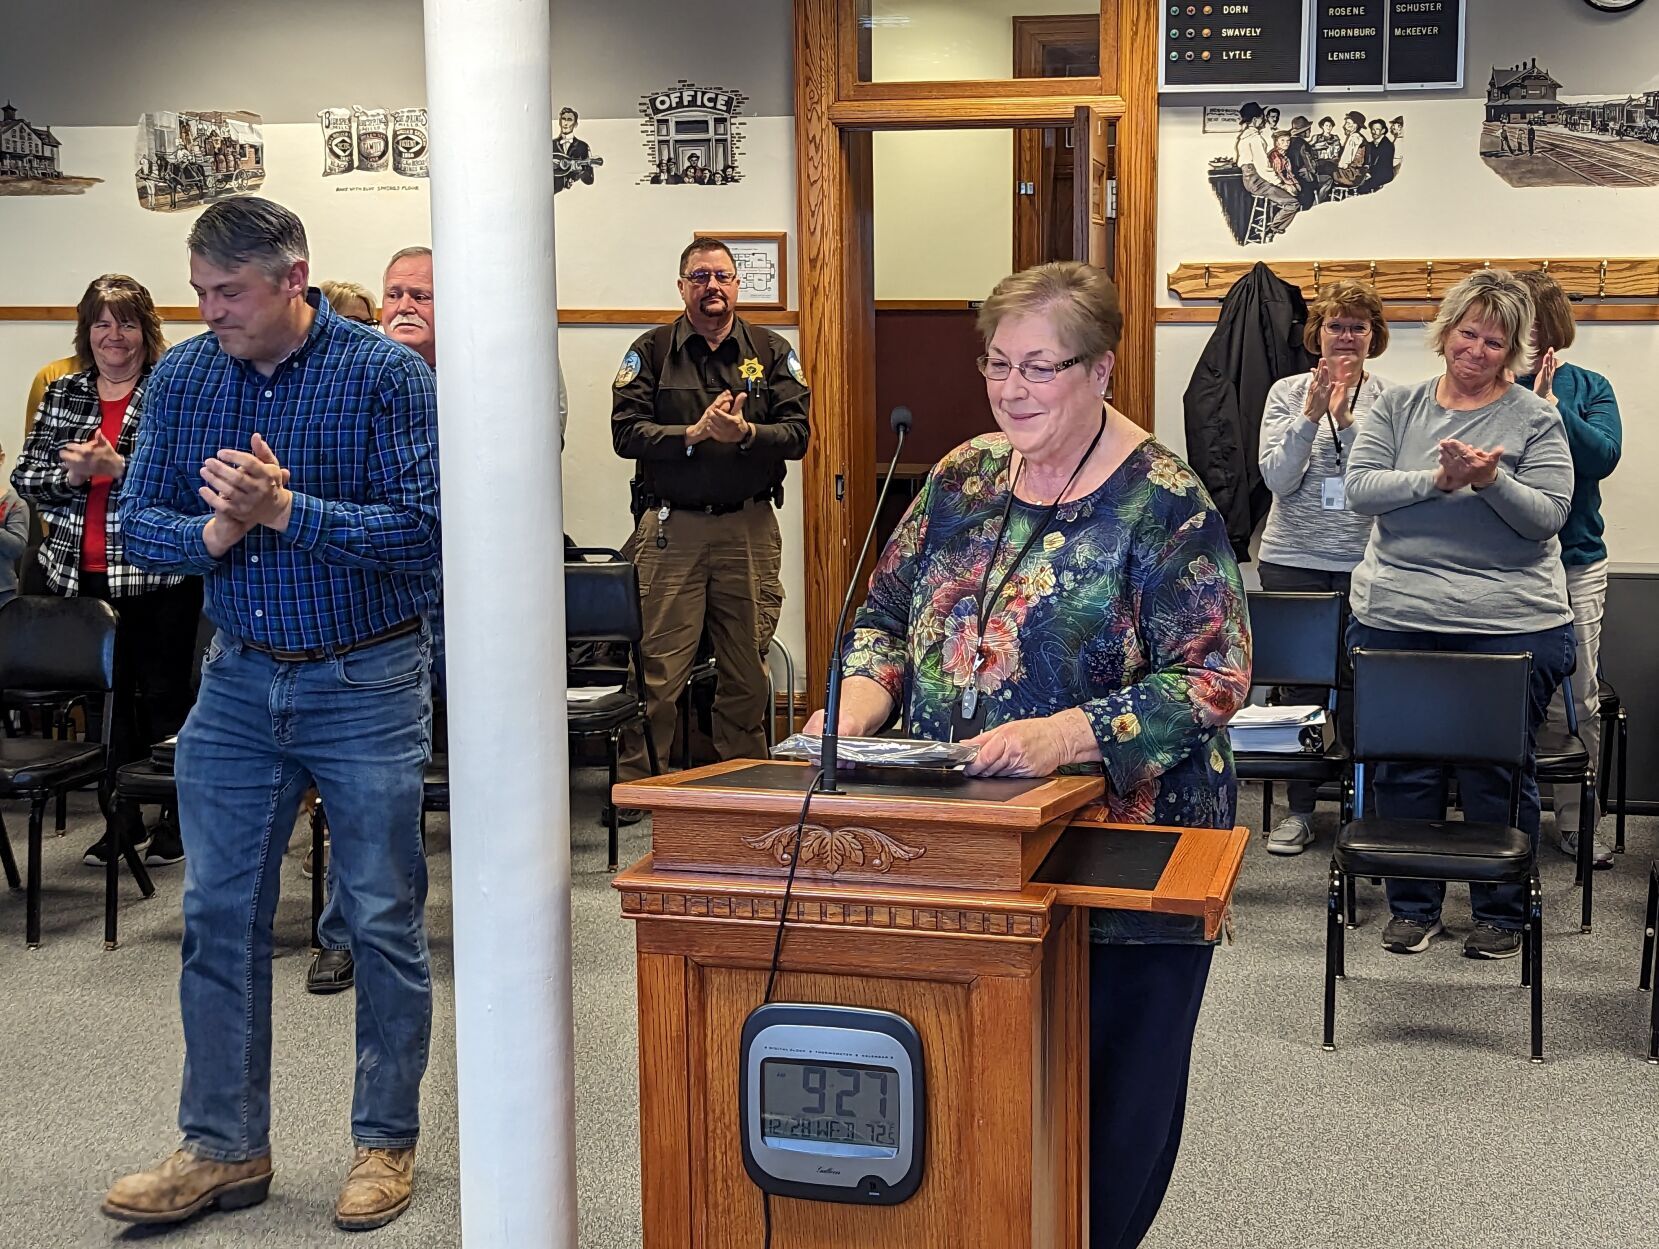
column 900, row 420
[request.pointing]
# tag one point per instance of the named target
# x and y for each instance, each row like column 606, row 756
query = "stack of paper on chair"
column 1278, row 729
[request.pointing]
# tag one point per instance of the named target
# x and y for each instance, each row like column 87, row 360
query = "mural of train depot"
column 1533, row 137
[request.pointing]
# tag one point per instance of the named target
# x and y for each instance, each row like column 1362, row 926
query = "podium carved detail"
column 831, row 849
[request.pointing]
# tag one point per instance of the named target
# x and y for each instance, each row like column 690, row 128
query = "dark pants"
column 1143, row 1008
column 1282, row 579
column 155, row 641
column 1413, row 792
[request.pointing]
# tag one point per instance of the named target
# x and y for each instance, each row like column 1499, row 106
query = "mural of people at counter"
column 1533, row 136
column 1273, row 168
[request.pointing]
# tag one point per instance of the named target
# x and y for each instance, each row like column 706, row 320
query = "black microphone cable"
column 777, row 950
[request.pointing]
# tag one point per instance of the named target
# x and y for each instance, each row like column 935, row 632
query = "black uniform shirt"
column 650, row 414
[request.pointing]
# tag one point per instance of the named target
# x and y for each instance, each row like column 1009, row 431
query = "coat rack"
column 1427, row 280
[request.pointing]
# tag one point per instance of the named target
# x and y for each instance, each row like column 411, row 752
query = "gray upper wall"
column 103, row 62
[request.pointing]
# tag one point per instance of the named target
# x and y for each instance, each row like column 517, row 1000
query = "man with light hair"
column 289, row 458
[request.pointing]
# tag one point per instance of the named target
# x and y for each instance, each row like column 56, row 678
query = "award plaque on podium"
column 921, row 1079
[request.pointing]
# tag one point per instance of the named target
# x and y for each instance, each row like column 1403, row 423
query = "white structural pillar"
column 489, row 92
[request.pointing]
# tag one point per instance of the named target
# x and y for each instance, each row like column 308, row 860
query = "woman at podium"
column 1062, row 593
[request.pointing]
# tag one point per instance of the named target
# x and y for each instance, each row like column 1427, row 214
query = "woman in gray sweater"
column 1469, row 477
column 1312, row 540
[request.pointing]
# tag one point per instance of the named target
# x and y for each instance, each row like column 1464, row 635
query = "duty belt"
column 653, row 502
column 315, row 653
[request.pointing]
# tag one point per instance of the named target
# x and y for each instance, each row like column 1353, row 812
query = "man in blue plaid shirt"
column 290, row 458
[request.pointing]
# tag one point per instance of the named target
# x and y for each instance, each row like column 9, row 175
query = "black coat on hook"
column 1257, row 341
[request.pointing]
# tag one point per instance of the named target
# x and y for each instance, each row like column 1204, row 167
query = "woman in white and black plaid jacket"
column 71, row 470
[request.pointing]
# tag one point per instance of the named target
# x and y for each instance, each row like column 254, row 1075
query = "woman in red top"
column 71, row 470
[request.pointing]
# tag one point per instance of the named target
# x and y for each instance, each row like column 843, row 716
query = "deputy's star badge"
column 750, row 370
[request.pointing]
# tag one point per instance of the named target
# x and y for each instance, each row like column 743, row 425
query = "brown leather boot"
column 377, row 1189
column 185, row 1184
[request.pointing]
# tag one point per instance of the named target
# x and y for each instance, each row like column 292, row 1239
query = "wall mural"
column 373, row 140
column 31, row 159
column 1274, row 169
column 573, row 162
column 1533, row 136
column 187, row 159
column 693, row 135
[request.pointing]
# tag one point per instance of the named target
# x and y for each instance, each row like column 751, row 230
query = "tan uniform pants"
column 718, row 572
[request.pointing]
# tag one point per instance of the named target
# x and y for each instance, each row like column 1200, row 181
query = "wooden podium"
column 963, row 907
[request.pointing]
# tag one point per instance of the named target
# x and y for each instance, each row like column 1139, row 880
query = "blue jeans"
column 331, row 925
column 261, row 732
column 1414, row 792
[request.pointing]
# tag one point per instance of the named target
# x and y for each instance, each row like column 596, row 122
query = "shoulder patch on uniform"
column 628, row 371
column 793, row 363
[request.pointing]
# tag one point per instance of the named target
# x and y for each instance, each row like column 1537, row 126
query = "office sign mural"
column 693, row 135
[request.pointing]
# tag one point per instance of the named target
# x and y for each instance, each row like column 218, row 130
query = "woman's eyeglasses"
column 1341, row 329
column 997, row 370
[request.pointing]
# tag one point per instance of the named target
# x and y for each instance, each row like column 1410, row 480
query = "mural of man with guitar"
column 571, row 159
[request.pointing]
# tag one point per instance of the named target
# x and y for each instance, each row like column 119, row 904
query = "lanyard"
column 1330, row 421
column 987, row 596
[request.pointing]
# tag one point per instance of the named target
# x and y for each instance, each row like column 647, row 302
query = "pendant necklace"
column 969, row 708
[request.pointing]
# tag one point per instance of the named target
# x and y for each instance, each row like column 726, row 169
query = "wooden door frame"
column 834, row 229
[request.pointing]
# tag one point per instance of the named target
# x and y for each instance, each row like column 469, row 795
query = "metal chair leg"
column 64, row 731
column 319, row 869
column 611, row 741
column 1349, row 903
column 1333, row 953
column 1650, row 927
column 1535, row 917
column 13, row 880
column 1587, row 847
column 31, row 901
column 1624, row 747
column 1267, row 807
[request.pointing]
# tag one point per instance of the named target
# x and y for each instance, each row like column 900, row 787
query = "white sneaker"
column 1294, row 835
column 1601, row 857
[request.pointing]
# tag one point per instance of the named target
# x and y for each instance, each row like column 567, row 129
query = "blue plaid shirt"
column 353, row 417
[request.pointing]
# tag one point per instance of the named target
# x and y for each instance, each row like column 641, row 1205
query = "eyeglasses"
column 364, row 320
column 702, row 277
column 1340, row 330
column 997, row 370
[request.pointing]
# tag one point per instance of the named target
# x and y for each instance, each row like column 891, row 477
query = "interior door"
column 1061, row 46
column 1092, row 188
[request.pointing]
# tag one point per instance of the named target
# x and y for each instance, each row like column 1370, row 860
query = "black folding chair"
column 1296, row 639
column 602, row 605
column 1444, row 709
column 65, row 644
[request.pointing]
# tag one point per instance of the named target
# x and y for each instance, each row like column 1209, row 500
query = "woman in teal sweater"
column 1591, row 416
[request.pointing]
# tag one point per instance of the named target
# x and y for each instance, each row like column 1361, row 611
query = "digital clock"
column 833, row 1103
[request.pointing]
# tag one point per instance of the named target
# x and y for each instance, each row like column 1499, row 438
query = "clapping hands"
column 1462, row 465
column 1330, row 390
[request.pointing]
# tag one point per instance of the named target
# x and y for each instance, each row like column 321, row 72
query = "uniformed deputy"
column 710, row 407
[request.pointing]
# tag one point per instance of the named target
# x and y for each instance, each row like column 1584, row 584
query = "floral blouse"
column 1130, row 606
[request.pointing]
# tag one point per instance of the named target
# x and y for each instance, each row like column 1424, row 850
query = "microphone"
column 900, row 421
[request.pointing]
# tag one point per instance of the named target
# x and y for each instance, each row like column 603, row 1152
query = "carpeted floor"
column 1426, row 1127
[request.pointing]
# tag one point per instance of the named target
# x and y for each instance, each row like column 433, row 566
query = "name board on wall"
column 1257, row 45
column 1319, row 45
column 1348, row 40
column 1425, row 44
